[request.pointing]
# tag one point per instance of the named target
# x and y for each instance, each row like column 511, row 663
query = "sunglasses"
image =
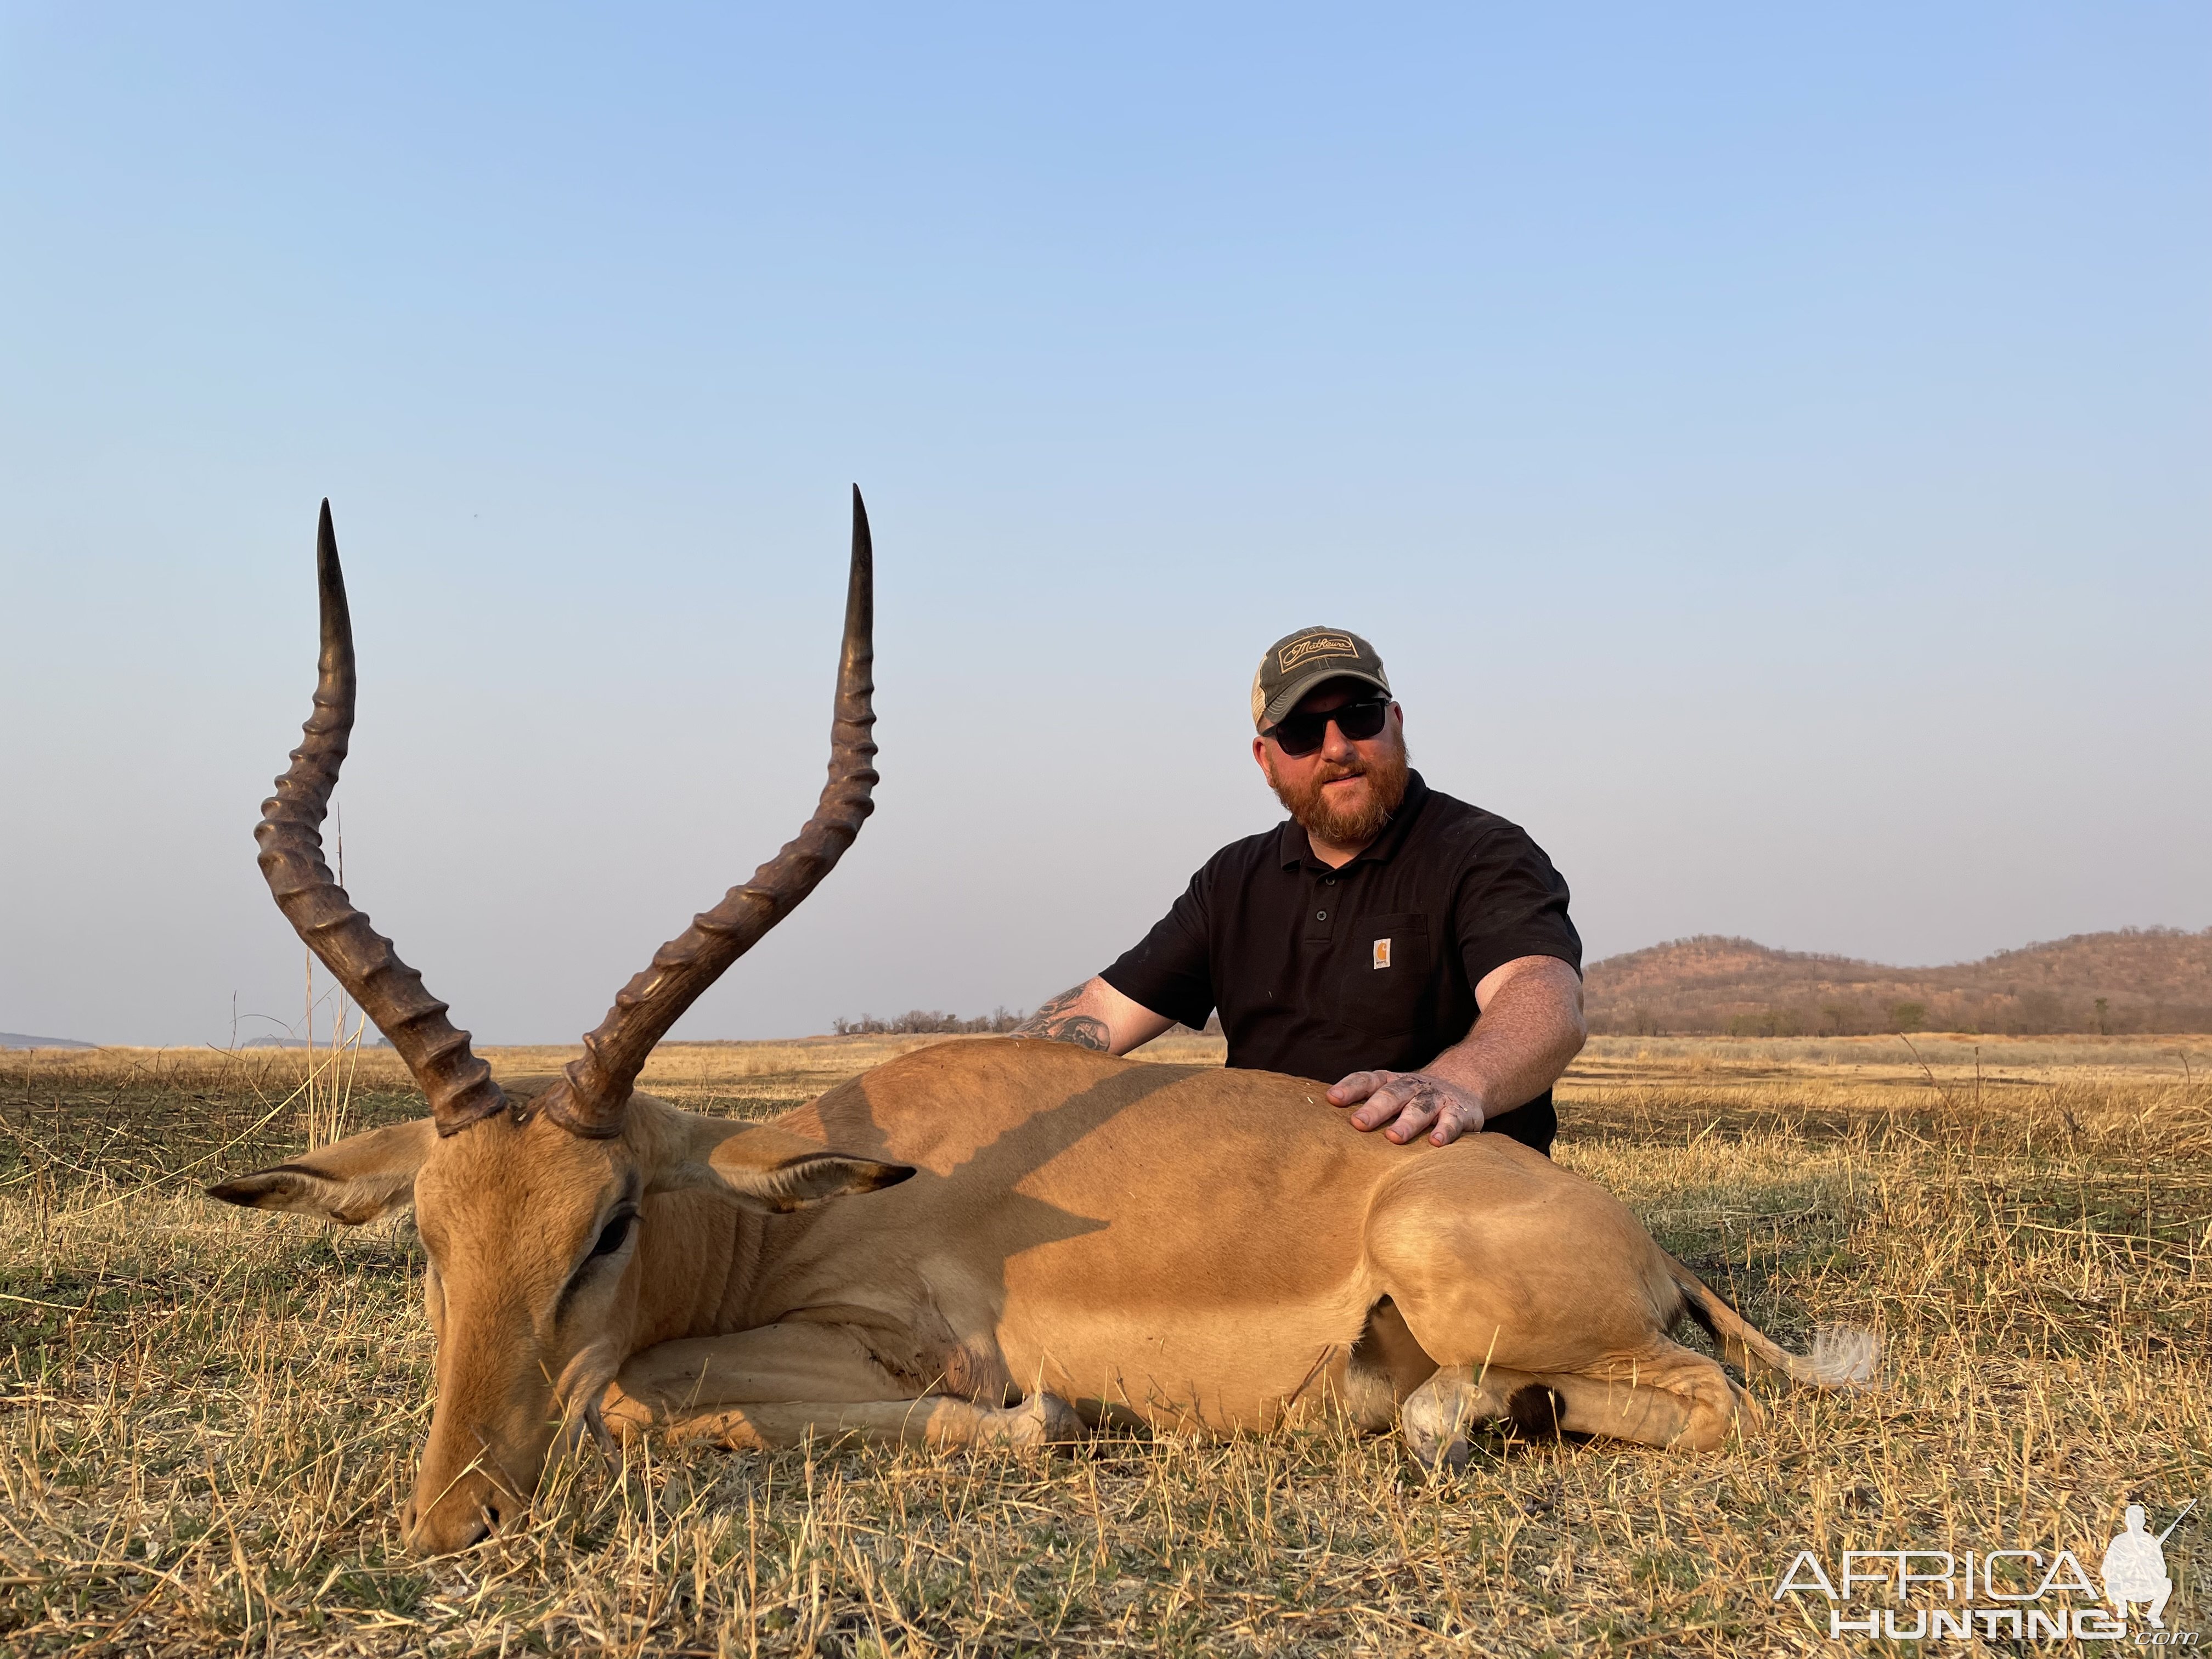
column 1302, row 733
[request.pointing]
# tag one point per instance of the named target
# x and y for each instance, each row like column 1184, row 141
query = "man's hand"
column 1531, row 1027
column 1409, row 1102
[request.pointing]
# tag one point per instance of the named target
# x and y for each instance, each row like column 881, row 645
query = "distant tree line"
column 925, row 1022
column 928, row 1022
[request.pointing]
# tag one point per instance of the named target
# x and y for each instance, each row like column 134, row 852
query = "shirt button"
column 1329, row 881
column 1321, row 915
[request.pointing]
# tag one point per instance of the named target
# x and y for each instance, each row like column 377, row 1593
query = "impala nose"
column 447, row 1527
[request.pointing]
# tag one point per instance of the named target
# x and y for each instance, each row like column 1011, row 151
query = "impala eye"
column 615, row 1232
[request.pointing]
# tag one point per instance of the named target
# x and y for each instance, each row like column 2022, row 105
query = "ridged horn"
column 595, row 1091
column 458, row 1084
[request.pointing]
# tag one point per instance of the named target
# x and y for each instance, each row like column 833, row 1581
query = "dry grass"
column 207, row 1416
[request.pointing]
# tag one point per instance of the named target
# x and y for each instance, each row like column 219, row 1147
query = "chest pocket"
column 1382, row 981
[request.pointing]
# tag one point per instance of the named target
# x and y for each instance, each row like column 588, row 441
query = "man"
column 1413, row 947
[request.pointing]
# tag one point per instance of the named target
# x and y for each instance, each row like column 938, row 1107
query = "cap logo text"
column 1314, row 645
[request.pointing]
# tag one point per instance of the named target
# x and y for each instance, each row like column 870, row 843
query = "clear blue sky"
column 1768, row 444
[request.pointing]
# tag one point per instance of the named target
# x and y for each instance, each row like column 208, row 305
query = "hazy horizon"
column 1768, row 450
column 267, row 1030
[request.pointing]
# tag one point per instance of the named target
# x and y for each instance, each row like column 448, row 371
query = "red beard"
column 1347, row 826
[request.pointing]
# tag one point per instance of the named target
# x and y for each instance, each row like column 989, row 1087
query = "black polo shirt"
column 1320, row 972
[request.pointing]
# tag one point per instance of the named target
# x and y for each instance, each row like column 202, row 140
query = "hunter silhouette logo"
column 2135, row 1567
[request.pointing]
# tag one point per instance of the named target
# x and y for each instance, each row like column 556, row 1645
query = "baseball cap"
column 1298, row 662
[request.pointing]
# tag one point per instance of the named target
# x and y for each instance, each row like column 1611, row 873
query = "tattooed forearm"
column 1081, row 1030
column 1058, row 1021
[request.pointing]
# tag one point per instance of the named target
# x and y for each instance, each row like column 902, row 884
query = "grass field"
column 208, row 1417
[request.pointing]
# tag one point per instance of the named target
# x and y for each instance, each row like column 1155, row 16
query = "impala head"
column 530, row 1202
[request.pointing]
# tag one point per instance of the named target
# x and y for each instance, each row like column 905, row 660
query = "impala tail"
column 1842, row 1356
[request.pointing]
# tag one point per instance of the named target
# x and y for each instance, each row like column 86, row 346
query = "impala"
column 1051, row 1239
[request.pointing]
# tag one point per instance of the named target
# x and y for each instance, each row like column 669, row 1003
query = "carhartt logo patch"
column 1382, row 953
column 1314, row 645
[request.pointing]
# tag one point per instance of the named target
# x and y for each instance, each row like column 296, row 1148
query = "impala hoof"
column 1436, row 1417
column 1432, row 1429
column 1043, row 1420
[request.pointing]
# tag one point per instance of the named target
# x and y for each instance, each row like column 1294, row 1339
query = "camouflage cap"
column 1298, row 662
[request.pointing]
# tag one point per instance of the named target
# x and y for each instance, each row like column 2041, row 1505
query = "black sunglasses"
column 1302, row 733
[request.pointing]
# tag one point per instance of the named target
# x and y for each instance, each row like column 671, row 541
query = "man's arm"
column 1530, row 1029
column 1094, row 1015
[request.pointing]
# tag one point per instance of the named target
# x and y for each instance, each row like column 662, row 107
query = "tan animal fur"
column 1175, row 1246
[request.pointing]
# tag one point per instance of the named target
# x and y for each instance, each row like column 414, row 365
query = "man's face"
column 1343, row 791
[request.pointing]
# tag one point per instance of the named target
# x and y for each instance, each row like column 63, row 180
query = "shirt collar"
column 1295, row 848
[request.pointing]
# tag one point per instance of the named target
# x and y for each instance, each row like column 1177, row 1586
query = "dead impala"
column 1050, row 1244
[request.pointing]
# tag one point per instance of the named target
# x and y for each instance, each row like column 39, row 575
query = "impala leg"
column 1669, row 1397
column 770, row 1387
column 938, row 1421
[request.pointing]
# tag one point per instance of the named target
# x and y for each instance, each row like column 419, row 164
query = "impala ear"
column 360, row 1179
column 766, row 1169
column 802, row 1181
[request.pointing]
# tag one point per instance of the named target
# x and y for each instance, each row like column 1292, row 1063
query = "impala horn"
column 458, row 1084
column 593, row 1094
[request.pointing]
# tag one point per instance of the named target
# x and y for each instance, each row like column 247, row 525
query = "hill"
column 17, row 1040
column 2139, row 979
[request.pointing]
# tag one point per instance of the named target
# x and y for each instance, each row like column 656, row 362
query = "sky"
column 1767, row 444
